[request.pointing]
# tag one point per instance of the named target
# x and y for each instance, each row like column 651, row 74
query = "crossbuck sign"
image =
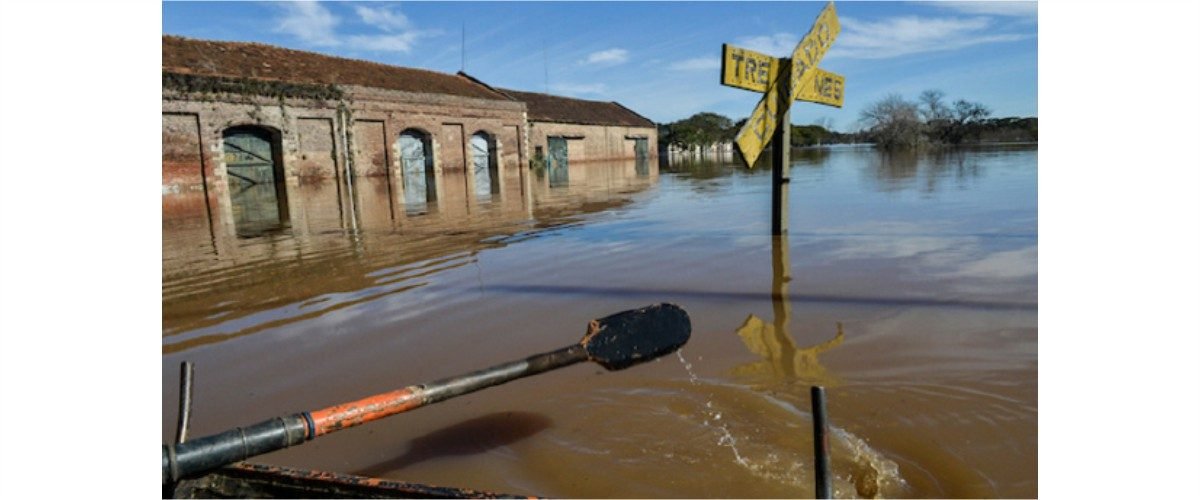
column 805, row 81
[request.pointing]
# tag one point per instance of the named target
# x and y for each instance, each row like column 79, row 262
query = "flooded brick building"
column 251, row 114
column 583, row 130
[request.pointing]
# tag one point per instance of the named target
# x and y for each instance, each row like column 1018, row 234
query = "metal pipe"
column 615, row 342
column 186, row 371
column 203, row 454
column 821, row 443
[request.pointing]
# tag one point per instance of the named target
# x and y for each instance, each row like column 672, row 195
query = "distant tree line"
column 896, row 123
column 891, row 123
column 706, row 129
column 701, row 129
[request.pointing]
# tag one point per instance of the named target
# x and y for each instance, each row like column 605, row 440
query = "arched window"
column 484, row 163
column 416, row 157
column 254, row 172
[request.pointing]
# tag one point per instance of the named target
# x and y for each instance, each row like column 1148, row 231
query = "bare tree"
column 967, row 120
column 932, row 107
column 893, row 122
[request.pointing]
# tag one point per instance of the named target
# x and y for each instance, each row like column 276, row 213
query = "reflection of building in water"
column 237, row 115
column 721, row 149
column 563, row 129
column 359, row 242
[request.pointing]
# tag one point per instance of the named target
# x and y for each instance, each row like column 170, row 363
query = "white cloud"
column 778, row 45
column 402, row 42
column 579, row 88
column 696, row 64
column 315, row 25
column 310, row 22
column 1013, row 9
column 383, row 18
column 900, row 36
column 610, row 56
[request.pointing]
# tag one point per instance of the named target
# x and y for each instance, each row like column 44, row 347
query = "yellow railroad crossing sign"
column 750, row 70
column 804, row 76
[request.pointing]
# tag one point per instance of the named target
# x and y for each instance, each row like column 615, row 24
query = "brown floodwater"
column 907, row 286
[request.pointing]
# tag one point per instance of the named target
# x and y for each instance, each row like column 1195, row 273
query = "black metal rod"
column 186, row 372
column 821, row 443
column 447, row 388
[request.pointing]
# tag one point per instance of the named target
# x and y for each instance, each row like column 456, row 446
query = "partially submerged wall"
column 593, row 142
column 325, row 131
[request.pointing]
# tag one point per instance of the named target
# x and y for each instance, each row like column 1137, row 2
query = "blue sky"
column 660, row 58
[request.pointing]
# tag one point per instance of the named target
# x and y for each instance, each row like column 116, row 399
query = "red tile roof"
column 552, row 108
column 267, row 62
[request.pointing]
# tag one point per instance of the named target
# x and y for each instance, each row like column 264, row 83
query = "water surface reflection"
column 908, row 285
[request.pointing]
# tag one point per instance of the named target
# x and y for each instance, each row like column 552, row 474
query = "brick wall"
column 319, row 139
column 599, row 142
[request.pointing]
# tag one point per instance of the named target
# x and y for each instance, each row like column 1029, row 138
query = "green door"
column 256, row 190
column 556, row 162
column 249, row 157
column 641, row 152
column 640, row 148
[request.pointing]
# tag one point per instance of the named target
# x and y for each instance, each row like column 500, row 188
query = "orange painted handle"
column 367, row 409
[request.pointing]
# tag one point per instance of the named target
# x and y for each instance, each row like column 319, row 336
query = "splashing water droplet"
column 726, row 438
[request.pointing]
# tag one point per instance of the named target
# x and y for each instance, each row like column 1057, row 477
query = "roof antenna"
column 546, row 65
column 464, row 47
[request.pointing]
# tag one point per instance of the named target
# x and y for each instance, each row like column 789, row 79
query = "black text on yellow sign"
column 750, row 70
column 756, row 133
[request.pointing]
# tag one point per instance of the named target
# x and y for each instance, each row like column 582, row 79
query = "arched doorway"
column 416, row 159
column 484, row 165
column 254, row 173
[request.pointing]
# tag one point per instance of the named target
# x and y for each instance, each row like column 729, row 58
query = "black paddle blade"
column 631, row 337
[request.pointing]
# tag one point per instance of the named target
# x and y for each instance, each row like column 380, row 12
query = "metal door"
column 257, row 194
column 556, row 162
column 484, row 162
column 419, row 186
column 558, row 151
column 641, row 149
column 249, row 157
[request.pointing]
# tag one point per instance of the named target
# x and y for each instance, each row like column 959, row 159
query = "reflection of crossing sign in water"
column 748, row 72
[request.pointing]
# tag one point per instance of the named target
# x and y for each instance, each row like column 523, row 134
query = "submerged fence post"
column 186, row 371
column 821, row 443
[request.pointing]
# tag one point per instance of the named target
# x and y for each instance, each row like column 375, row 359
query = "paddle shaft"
column 201, row 455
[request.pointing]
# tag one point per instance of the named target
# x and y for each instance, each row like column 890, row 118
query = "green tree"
column 701, row 129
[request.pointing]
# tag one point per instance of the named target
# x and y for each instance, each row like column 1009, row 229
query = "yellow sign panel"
column 755, row 134
column 750, row 70
column 827, row 88
column 813, row 47
column 747, row 69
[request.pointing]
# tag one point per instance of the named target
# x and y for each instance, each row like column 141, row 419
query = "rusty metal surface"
column 246, row 480
column 366, row 410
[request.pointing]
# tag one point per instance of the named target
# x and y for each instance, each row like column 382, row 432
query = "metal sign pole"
column 781, row 157
column 783, row 80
